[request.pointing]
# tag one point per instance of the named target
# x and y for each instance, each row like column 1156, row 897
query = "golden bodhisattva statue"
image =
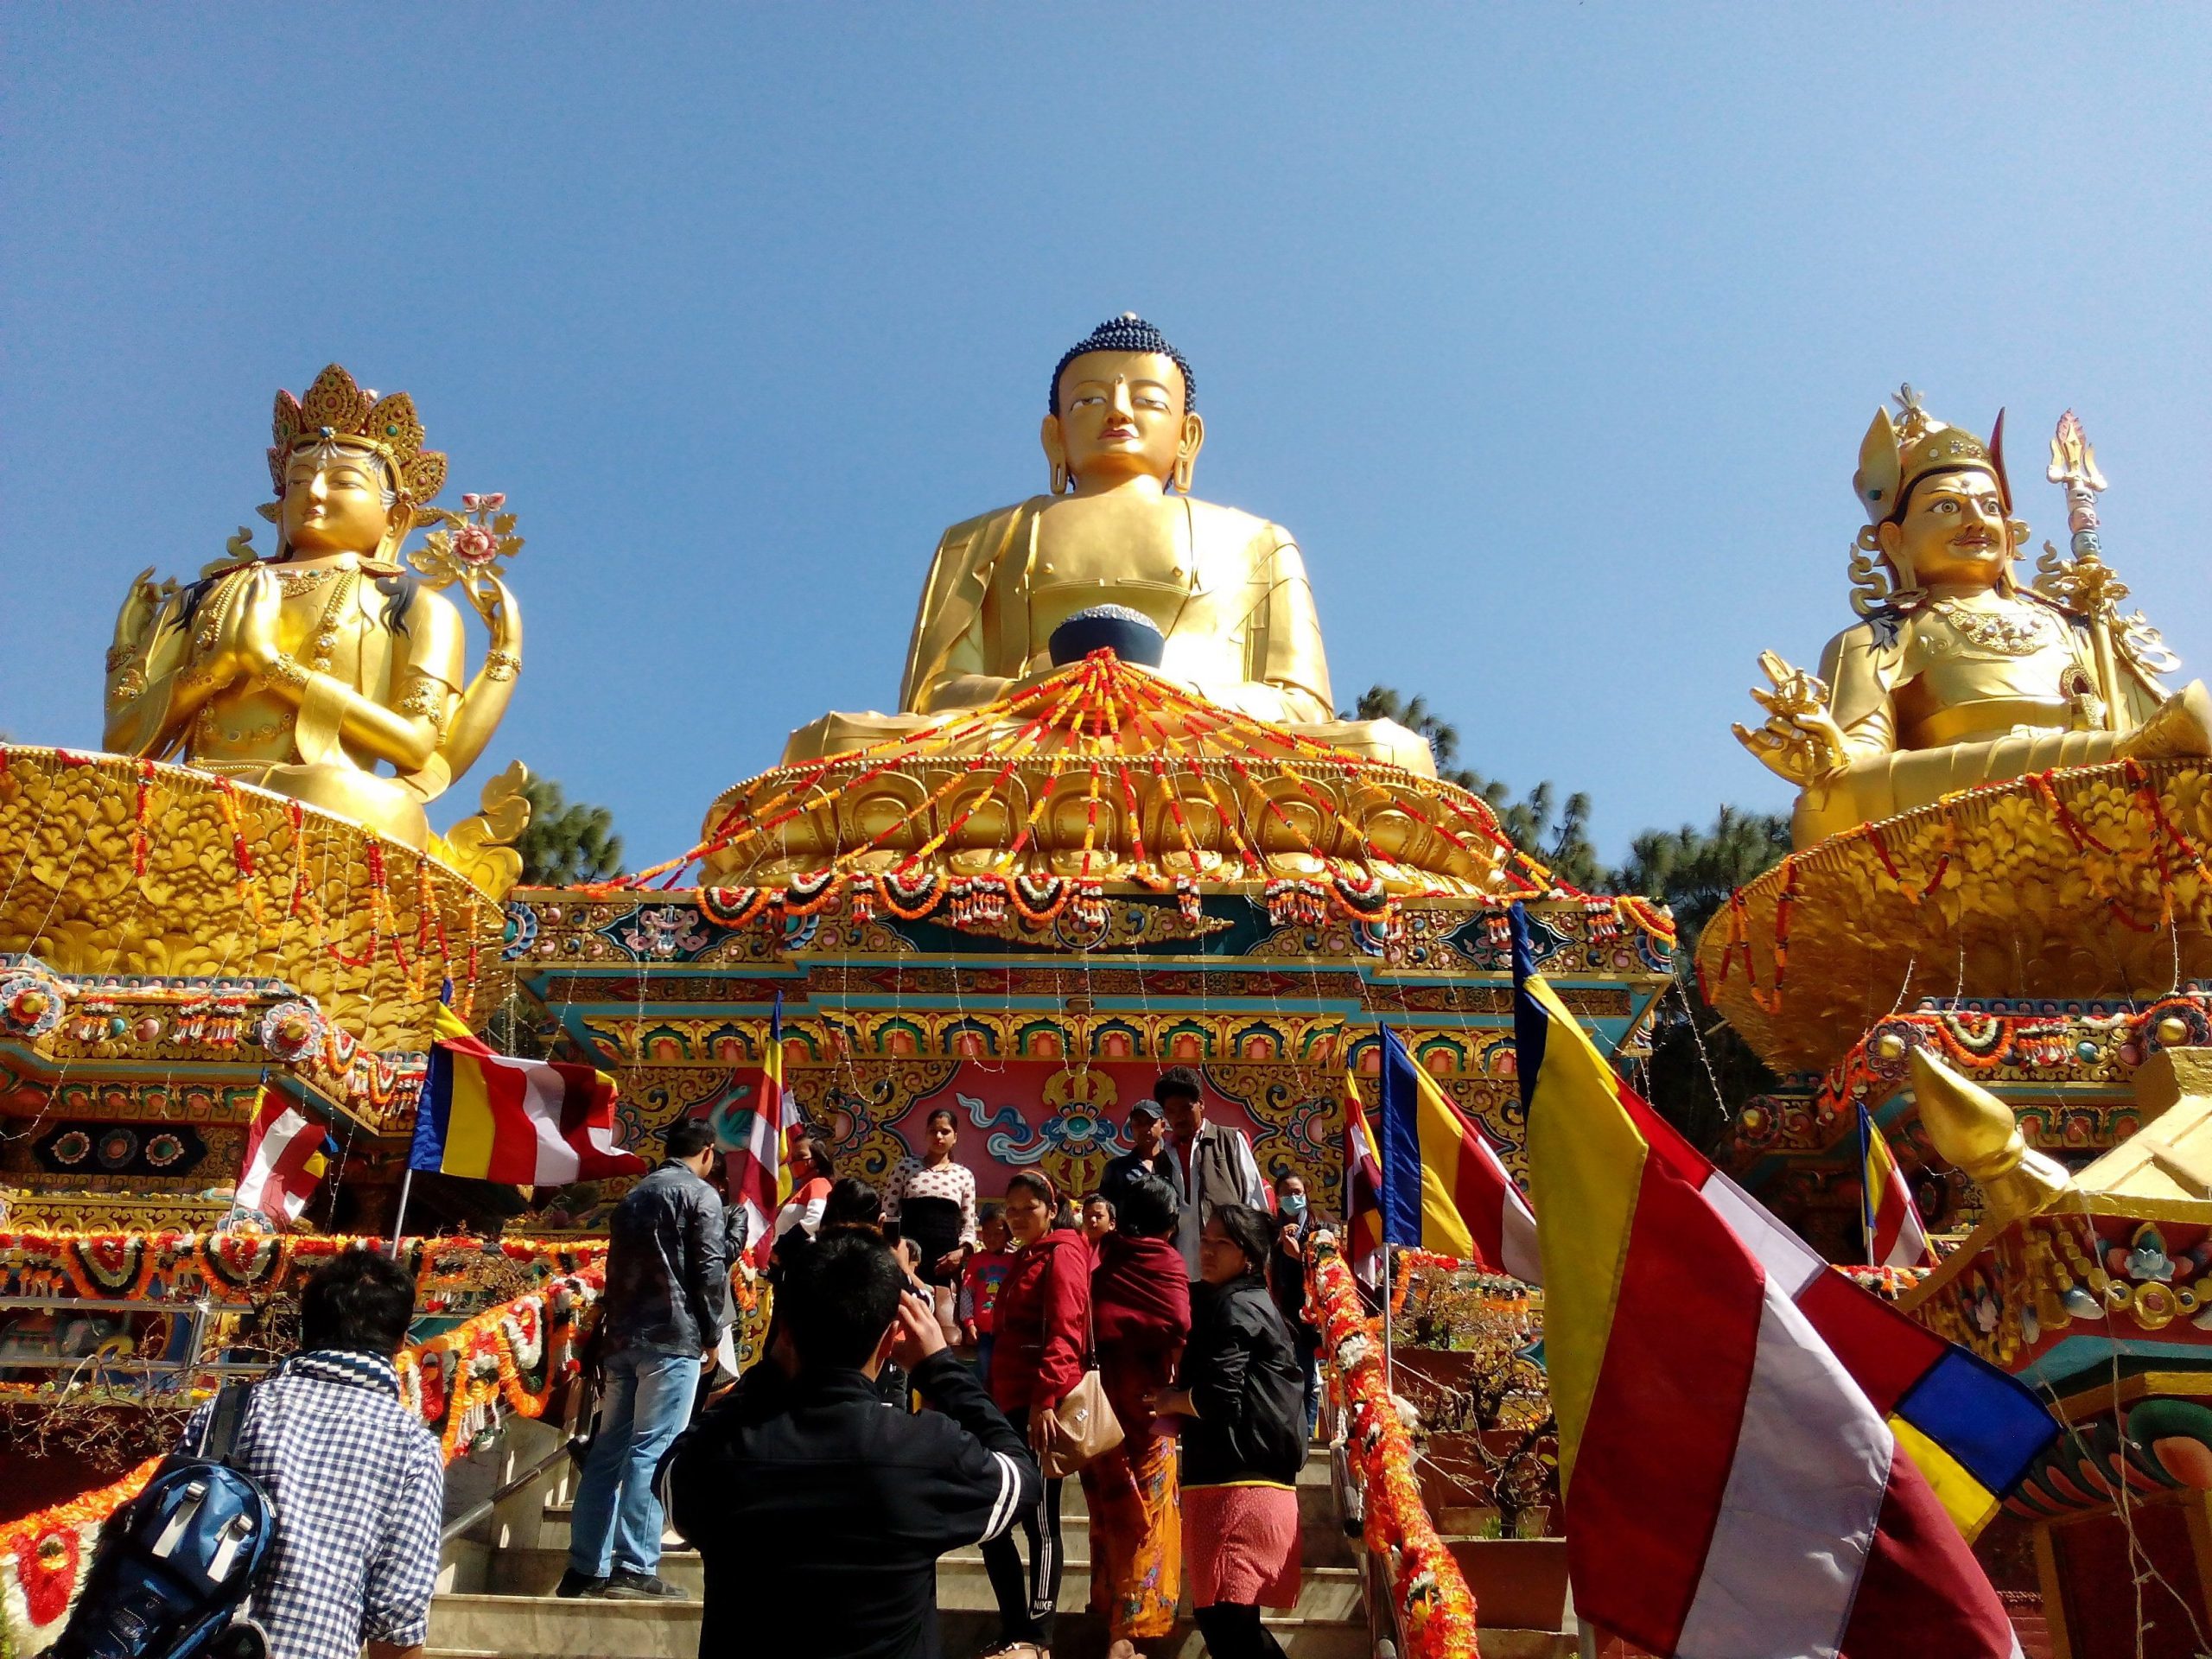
column 1957, row 677
column 302, row 672
column 1227, row 591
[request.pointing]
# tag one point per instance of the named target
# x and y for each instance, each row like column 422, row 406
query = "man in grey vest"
column 1215, row 1165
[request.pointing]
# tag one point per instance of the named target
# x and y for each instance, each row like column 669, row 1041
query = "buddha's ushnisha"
column 1119, row 526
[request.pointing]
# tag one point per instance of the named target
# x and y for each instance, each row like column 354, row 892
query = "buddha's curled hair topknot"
column 1127, row 333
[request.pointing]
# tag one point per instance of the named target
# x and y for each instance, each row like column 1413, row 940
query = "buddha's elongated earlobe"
column 1186, row 453
column 1056, row 451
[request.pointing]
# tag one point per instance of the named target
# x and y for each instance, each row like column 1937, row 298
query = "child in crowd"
column 1097, row 1221
column 979, row 1287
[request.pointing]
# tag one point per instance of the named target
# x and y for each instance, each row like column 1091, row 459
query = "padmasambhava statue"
column 299, row 672
column 1957, row 677
column 1119, row 528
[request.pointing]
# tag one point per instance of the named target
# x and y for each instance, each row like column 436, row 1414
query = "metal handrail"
column 109, row 1304
column 477, row 1511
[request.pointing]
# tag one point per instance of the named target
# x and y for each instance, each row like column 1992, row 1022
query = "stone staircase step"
column 521, row 1627
column 961, row 1581
column 515, row 1615
column 1321, row 1529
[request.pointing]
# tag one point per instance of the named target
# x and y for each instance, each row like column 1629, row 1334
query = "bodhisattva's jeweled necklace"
column 325, row 632
column 2020, row 631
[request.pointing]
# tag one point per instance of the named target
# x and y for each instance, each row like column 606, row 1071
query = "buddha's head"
column 1121, row 412
column 350, row 469
column 1937, row 502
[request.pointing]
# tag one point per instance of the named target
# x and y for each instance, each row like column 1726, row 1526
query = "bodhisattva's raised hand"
column 140, row 606
column 1800, row 739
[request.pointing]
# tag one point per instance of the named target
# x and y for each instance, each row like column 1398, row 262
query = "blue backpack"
column 175, row 1564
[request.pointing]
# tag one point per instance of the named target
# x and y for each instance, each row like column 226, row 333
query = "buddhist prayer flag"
column 1443, row 1188
column 758, row 1147
column 1895, row 1236
column 490, row 1117
column 1363, row 1194
column 287, row 1152
column 1735, row 1485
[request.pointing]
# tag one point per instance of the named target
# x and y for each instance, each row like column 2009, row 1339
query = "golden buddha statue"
column 300, row 673
column 1226, row 591
column 1957, row 676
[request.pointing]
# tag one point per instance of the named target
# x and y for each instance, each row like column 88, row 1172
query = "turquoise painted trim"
column 2054, row 1367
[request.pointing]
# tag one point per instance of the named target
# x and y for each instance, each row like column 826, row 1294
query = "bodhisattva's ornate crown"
column 1897, row 454
column 337, row 409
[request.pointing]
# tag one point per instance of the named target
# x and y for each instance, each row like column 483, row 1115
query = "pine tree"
column 1556, row 833
column 566, row 843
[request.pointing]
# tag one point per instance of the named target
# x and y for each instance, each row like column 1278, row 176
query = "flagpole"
column 407, row 1180
column 399, row 1215
column 1390, row 1291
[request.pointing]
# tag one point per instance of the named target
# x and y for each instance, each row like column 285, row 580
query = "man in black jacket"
column 819, row 1513
column 667, row 1295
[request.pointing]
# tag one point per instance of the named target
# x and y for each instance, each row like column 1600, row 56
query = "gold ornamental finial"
column 2073, row 457
column 1977, row 1132
column 336, row 410
column 1912, row 416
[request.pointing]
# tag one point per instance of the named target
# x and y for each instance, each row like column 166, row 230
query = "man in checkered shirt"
column 357, row 1479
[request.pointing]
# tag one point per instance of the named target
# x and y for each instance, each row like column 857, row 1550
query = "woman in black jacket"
column 1241, row 1393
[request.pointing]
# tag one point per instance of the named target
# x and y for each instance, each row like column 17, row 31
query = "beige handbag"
column 1088, row 1428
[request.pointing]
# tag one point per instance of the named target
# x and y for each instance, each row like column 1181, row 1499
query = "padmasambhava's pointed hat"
column 1897, row 454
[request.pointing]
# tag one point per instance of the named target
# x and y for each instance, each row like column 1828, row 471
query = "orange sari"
column 1136, row 1535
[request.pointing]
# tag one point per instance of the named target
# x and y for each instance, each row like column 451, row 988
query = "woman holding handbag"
column 1043, row 1329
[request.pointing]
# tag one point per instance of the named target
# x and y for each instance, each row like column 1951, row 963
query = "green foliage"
column 566, row 843
column 1700, row 1072
column 1553, row 831
column 1692, row 871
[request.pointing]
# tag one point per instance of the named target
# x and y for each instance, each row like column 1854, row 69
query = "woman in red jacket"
column 1042, row 1326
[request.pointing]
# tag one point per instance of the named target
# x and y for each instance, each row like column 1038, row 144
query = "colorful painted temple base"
column 174, row 943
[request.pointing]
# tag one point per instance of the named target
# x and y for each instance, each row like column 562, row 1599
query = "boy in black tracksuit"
column 818, row 1513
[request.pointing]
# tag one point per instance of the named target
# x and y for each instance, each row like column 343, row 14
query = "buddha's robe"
column 1227, row 590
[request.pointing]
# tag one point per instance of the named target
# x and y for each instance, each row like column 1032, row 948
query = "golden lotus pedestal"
column 1023, row 913
column 169, row 943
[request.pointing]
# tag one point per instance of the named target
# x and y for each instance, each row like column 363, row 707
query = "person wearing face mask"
column 1286, row 1283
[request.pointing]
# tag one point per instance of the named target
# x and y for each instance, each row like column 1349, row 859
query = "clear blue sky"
column 1549, row 330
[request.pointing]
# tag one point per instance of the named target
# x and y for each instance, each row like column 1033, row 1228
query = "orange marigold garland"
column 42, row 1553
column 1435, row 1609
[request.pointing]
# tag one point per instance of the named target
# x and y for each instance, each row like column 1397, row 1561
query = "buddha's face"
column 1123, row 415
column 1954, row 531
column 336, row 501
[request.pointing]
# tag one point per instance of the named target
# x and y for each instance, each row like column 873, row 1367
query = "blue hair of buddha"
column 1127, row 333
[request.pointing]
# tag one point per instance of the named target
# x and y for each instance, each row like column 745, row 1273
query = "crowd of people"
column 1174, row 1293
column 1001, row 1335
